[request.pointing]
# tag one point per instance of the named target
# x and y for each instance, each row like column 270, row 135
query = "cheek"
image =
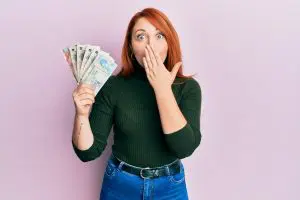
column 163, row 53
column 161, row 48
column 139, row 51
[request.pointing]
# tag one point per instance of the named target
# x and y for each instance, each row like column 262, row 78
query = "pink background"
column 246, row 54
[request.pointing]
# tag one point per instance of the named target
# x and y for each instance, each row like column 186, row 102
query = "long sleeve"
column 101, row 121
column 184, row 141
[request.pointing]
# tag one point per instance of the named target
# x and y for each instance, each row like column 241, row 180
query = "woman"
column 155, row 111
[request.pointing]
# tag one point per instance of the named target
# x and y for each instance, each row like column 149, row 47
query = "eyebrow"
column 144, row 30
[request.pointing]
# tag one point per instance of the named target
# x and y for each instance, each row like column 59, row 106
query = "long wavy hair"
column 161, row 22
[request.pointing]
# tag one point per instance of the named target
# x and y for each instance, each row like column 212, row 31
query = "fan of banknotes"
column 89, row 64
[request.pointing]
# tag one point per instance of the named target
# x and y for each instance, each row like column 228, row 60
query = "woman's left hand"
column 158, row 75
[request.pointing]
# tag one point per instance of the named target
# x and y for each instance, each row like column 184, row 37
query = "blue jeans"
column 121, row 185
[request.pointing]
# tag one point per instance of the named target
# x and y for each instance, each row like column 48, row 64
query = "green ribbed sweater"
column 128, row 104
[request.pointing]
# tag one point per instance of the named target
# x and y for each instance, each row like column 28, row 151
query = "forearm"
column 171, row 117
column 82, row 134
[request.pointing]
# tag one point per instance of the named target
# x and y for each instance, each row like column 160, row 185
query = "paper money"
column 86, row 68
column 89, row 64
column 88, row 51
column 73, row 55
column 102, row 68
column 80, row 54
column 67, row 56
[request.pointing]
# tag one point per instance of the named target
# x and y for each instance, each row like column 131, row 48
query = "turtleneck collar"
column 139, row 72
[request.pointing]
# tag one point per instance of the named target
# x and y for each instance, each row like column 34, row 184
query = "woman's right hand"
column 84, row 98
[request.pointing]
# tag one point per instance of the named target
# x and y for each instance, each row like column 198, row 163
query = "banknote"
column 67, row 57
column 102, row 69
column 80, row 54
column 89, row 61
column 73, row 54
column 86, row 56
column 89, row 64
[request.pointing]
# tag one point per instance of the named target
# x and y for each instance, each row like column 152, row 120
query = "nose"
column 151, row 42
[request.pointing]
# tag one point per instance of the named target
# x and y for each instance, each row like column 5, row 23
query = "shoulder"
column 192, row 83
column 187, row 84
column 111, row 82
column 191, row 87
column 108, row 89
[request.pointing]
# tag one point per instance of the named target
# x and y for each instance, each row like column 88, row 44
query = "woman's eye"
column 160, row 35
column 140, row 36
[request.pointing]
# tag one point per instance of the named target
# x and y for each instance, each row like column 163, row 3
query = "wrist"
column 162, row 90
column 81, row 116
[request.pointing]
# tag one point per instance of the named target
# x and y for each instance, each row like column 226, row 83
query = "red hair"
column 161, row 22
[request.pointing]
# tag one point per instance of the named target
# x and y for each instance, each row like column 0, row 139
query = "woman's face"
column 145, row 33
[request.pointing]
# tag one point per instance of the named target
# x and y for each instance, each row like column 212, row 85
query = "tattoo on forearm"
column 81, row 124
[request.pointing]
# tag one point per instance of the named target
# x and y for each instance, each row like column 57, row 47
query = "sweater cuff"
column 182, row 141
column 84, row 155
